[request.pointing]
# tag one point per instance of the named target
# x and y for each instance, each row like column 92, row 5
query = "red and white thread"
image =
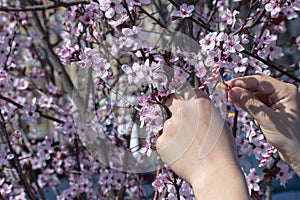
column 266, row 157
column 214, row 75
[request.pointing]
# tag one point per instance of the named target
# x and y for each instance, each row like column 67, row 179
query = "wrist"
column 228, row 181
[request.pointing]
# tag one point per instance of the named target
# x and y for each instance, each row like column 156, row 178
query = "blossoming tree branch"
column 83, row 83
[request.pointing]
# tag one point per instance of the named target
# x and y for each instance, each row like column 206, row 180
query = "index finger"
column 258, row 83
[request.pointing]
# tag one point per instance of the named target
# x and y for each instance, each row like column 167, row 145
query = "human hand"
column 275, row 107
column 193, row 117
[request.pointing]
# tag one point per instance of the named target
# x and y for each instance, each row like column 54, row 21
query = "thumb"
column 250, row 103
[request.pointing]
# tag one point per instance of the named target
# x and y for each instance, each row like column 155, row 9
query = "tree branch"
column 43, row 7
column 56, row 63
column 15, row 161
column 271, row 65
column 21, row 107
column 152, row 17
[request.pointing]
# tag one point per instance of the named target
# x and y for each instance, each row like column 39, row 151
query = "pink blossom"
column 45, row 101
column 44, row 149
column 241, row 66
column 86, row 18
column 69, row 130
column 118, row 180
column 273, row 7
column 208, row 42
column 159, row 182
column 111, row 7
column 52, row 90
column 8, row 112
column 258, row 66
column 284, row 174
column 231, row 45
column 295, row 4
column 266, row 38
column 29, row 112
column 101, row 68
column 290, row 13
column 271, row 50
column 253, row 180
column 84, row 184
column 68, row 53
column 94, row 9
column 105, row 181
column 180, row 75
column 186, row 190
column 135, row 37
column 135, row 73
column 88, row 57
column 157, row 74
column 151, row 115
column 21, row 83
column 183, row 12
column 6, row 189
column 274, row 52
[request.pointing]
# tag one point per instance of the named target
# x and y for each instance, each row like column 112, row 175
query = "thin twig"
column 15, row 160
column 128, row 12
column 56, row 63
column 152, row 17
column 271, row 65
column 21, row 107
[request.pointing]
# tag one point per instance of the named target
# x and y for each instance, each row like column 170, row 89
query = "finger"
column 249, row 102
column 258, row 83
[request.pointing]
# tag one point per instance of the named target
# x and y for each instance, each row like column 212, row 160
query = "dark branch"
column 271, row 65
column 43, row 7
column 19, row 106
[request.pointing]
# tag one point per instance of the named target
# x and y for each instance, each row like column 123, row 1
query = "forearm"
column 222, row 184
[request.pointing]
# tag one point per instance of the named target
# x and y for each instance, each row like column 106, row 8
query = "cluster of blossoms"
column 113, row 7
column 166, row 180
column 266, row 46
column 90, row 59
column 224, row 51
column 153, row 72
column 75, row 132
column 289, row 8
column 111, row 179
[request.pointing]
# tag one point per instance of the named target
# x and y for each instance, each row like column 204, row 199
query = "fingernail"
column 234, row 94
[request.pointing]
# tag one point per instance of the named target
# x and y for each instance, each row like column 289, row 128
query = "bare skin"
column 275, row 107
column 181, row 141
